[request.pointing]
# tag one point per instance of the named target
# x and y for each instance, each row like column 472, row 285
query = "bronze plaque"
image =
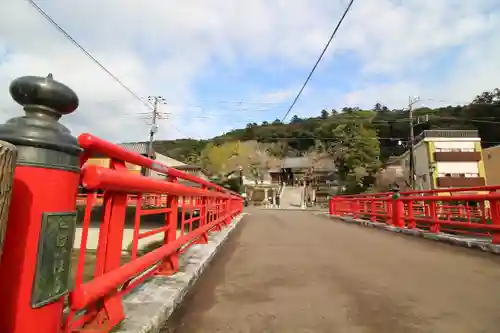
column 53, row 266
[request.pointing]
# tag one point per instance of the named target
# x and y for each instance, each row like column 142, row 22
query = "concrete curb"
column 468, row 242
column 149, row 306
column 300, row 209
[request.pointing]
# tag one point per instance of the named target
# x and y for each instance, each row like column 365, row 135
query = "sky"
column 220, row 64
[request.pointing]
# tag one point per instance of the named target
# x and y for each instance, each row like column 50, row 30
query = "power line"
column 91, row 57
column 337, row 139
column 468, row 120
column 72, row 40
column 319, row 60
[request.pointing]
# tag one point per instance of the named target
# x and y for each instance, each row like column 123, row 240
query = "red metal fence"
column 39, row 290
column 95, row 305
column 470, row 211
column 209, row 208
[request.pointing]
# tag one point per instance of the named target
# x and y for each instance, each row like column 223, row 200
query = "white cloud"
column 163, row 47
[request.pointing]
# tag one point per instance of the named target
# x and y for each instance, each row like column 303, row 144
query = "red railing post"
column 170, row 265
column 433, row 212
column 373, row 210
column 36, row 259
column 203, row 219
column 411, row 215
column 331, row 206
column 397, row 211
column 495, row 219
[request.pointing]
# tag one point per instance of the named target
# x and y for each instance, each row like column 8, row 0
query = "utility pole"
column 156, row 100
column 412, row 101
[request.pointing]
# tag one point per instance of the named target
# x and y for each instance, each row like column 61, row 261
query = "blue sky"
column 221, row 65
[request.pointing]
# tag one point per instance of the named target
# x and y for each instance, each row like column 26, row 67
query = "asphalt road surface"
column 286, row 272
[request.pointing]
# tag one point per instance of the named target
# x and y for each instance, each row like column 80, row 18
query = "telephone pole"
column 412, row 101
column 156, row 100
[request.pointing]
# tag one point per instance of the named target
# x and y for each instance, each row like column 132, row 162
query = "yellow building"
column 491, row 158
column 444, row 159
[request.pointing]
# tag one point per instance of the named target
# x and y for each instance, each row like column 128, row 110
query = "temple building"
column 294, row 170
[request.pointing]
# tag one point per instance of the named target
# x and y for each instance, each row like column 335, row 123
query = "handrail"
column 95, row 177
column 103, row 285
column 478, row 216
column 488, row 188
column 95, row 145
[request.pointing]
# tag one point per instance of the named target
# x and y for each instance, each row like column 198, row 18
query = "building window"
column 464, row 175
column 455, row 150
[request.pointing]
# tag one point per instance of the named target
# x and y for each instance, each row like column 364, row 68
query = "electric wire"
column 87, row 53
column 93, row 59
column 348, row 8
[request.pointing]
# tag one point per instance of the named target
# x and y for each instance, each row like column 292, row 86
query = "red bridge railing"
column 472, row 211
column 40, row 293
column 215, row 205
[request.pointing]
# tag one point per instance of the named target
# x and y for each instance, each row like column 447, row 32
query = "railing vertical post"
column 171, row 264
column 433, row 212
column 36, row 259
column 411, row 215
column 373, row 210
column 203, row 218
column 495, row 219
column 397, row 211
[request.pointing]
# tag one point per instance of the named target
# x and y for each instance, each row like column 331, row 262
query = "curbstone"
column 467, row 242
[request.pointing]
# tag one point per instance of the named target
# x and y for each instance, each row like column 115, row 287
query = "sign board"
column 53, row 267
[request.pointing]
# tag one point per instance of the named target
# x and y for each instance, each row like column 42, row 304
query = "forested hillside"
column 359, row 140
column 301, row 134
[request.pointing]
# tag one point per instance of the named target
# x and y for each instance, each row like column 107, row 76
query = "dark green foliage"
column 359, row 140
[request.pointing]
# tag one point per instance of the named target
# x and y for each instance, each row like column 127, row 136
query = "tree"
column 228, row 157
column 295, row 119
column 324, row 114
column 352, row 125
column 488, row 97
column 217, row 158
column 355, row 150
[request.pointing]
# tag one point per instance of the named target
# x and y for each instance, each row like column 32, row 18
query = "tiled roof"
column 142, row 148
column 296, row 163
column 168, row 161
column 138, row 147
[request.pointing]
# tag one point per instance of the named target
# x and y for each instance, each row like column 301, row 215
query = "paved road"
column 285, row 271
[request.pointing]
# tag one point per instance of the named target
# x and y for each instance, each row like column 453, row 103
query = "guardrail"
column 456, row 210
column 39, row 291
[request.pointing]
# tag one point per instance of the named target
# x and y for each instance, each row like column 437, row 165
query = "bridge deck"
column 285, row 271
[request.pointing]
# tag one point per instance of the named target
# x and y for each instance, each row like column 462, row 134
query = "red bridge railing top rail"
column 463, row 211
column 452, row 190
column 93, row 145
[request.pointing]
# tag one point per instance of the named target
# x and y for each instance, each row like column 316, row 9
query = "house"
column 491, row 160
column 316, row 170
column 142, row 149
column 443, row 159
column 394, row 174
